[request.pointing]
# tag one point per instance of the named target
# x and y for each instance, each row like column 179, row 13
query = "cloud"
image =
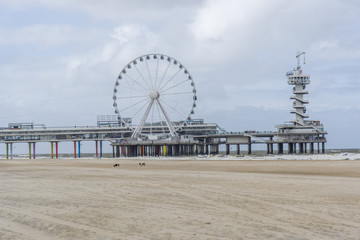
column 113, row 10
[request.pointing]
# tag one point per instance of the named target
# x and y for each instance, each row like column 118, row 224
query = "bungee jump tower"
column 300, row 131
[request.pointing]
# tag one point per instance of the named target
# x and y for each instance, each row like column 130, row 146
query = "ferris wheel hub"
column 154, row 94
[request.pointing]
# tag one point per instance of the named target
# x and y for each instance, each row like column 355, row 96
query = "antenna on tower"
column 298, row 55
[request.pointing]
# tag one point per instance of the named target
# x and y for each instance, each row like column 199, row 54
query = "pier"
column 148, row 90
column 205, row 139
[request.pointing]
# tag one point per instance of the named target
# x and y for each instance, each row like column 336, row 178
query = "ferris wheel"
column 154, row 94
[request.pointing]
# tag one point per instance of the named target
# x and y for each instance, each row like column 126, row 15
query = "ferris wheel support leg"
column 168, row 122
column 138, row 129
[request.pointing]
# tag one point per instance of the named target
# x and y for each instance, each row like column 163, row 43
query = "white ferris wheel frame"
column 155, row 90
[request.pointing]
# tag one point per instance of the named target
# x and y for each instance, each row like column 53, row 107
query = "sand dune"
column 179, row 199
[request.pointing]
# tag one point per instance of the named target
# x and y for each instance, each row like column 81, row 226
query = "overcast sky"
column 59, row 59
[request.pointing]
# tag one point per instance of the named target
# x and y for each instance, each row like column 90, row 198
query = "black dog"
column 116, row 165
column 142, row 164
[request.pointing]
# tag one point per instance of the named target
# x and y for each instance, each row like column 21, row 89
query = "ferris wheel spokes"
column 164, row 94
column 178, row 84
column 162, row 87
column 165, row 72
column 142, row 77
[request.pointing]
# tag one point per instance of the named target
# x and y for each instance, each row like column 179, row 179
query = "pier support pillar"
column 11, row 150
column 280, row 148
column 117, row 151
column 34, row 155
column 201, row 149
column 29, row 150
column 323, row 148
column 249, row 146
column 196, row 147
column 227, row 149
column 290, row 148
column 101, row 150
column 7, row 150
column 74, row 149
column 57, row 149
column 312, row 148
column 96, row 148
column 52, row 149
column 79, row 152
column 238, row 149
column 268, row 148
column 176, row 150
column 301, row 148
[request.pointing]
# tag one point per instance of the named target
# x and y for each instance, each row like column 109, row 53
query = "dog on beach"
column 116, row 165
column 142, row 164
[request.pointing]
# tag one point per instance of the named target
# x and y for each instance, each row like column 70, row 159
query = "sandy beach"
column 179, row 199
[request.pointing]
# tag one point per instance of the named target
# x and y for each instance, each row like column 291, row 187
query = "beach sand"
column 179, row 199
